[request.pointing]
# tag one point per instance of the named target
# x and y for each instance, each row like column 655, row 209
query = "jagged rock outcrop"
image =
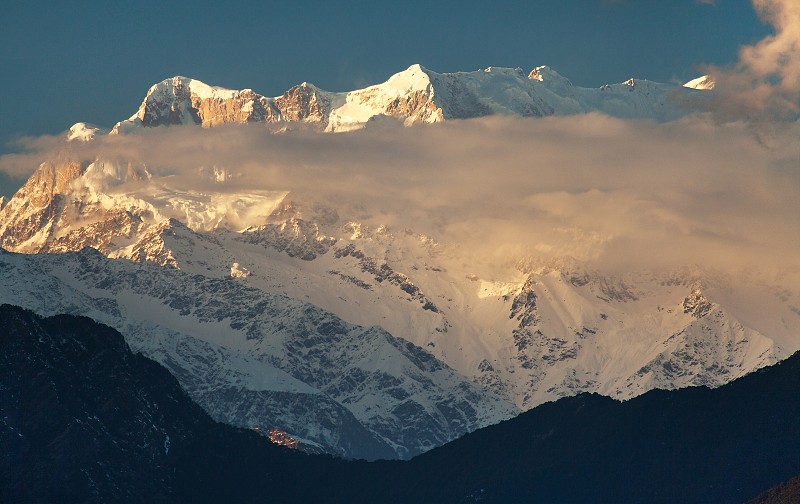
column 32, row 216
column 181, row 100
column 304, row 103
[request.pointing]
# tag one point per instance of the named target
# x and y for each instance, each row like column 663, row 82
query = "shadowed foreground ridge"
column 690, row 445
column 787, row 492
column 84, row 419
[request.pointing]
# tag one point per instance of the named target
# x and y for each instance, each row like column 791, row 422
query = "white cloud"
column 619, row 194
column 765, row 82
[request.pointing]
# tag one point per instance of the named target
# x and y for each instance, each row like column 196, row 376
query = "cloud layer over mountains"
column 618, row 194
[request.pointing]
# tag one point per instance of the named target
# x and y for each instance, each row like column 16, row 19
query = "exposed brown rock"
column 98, row 235
column 416, row 106
column 245, row 107
column 159, row 112
column 303, row 103
column 696, row 304
column 33, row 208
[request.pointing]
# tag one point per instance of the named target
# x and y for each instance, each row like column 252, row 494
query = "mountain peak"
column 413, row 95
column 416, row 67
column 414, row 78
column 546, row 74
column 175, row 85
column 83, row 132
column 182, row 100
column 705, row 82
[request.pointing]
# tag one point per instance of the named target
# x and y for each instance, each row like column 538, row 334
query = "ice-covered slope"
column 538, row 333
column 705, row 82
column 530, row 332
column 252, row 358
column 415, row 95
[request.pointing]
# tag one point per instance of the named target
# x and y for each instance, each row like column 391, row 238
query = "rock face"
column 304, row 103
column 416, row 107
column 180, row 100
column 31, row 216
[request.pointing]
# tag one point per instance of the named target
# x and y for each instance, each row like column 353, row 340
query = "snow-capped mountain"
column 369, row 341
column 251, row 358
column 233, row 313
column 415, row 95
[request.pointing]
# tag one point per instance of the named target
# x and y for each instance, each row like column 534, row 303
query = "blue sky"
column 64, row 62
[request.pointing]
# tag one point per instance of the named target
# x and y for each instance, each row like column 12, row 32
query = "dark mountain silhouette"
column 690, row 445
column 85, row 420
column 787, row 492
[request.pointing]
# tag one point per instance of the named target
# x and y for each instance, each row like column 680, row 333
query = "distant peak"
column 178, row 83
column 546, row 74
column 83, row 132
column 414, row 71
column 414, row 78
column 416, row 67
column 706, row 82
column 415, row 94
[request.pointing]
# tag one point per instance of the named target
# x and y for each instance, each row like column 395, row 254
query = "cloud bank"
column 765, row 82
column 617, row 194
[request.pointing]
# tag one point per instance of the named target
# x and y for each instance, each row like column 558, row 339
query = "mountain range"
column 367, row 341
column 415, row 95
